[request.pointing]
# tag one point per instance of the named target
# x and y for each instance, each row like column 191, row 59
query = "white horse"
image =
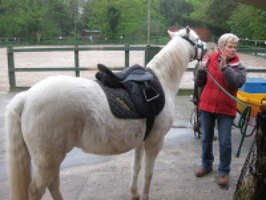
column 59, row 113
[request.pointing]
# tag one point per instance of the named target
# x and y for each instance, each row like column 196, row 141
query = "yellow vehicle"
column 255, row 100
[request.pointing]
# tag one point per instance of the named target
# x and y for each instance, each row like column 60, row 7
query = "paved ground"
column 90, row 177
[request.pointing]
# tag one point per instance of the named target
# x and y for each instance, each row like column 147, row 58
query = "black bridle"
column 196, row 46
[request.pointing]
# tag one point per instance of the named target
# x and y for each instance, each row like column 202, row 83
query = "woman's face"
column 229, row 50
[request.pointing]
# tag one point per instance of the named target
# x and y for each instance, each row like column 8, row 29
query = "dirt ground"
column 90, row 59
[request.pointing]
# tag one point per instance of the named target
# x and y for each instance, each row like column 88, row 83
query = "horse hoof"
column 145, row 198
column 135, row 196
column 134, row 193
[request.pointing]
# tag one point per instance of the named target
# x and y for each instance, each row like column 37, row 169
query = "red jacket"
column 212, row 98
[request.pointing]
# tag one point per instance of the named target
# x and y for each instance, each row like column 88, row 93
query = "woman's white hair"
column 227, row 38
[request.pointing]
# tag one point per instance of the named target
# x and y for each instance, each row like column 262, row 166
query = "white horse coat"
column 59, row 113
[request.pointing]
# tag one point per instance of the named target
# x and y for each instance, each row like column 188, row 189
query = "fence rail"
column 150, row 51
column 256, row 51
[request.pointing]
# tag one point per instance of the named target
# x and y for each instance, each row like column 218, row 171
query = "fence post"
column 76, row 51
column 11, row 67
column 150, row 52
column 126, row 55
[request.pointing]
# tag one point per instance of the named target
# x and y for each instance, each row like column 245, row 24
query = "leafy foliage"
column 116, row 18
column 213, row 14
column 123, row 17
column 177, row 12
column 219, row 12
column 32, row 18
column 248, row 22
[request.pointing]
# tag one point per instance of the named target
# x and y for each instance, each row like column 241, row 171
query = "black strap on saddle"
column 142, row 86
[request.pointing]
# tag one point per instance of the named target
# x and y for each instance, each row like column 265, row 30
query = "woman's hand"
column 222, row 63
column 204, row 62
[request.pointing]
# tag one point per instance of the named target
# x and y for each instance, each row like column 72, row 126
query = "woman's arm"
column 234, row 76
column 201, row 77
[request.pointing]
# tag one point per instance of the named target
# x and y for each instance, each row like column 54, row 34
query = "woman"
column 215, row 104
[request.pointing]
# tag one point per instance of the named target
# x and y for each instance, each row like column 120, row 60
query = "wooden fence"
column 150, row 51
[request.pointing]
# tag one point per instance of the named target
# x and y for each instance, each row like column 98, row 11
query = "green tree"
column 218, row 14
column 45, row 18
column 123, row 17
column 199, row 11
column 74, row 22
column 177, row 12
column 113, row 15
column 248, row 22
column 50, row 18
column 212, row 14
column 10, row 19
column 32, row 18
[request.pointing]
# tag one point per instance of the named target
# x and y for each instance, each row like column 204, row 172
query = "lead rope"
column 244, row 116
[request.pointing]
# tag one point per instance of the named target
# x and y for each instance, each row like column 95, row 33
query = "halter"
column 196, row 46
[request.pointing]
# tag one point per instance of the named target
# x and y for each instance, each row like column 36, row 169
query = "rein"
column 244, row 116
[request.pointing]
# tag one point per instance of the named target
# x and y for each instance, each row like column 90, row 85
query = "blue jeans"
column 225, row 123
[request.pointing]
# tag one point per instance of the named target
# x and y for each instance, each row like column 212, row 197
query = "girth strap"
column 149, row 125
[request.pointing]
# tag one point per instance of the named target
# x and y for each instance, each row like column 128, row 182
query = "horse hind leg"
column 46, row 175
column 138, row 153
column 54, row 187
column 151, row 153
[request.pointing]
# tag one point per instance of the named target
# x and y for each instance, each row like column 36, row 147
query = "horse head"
column 191, row 37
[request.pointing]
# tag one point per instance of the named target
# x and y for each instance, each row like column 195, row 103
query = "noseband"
column 196, row 47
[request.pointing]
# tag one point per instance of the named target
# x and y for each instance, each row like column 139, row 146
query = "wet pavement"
column 92, row 177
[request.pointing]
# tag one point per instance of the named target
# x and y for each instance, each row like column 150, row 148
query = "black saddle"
column 142, row 85
column 132, row 93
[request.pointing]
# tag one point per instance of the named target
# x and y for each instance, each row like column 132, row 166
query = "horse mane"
column 171, row 62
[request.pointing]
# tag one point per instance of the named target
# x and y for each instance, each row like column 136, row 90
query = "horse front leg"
column 151, row 153
column 138, row 153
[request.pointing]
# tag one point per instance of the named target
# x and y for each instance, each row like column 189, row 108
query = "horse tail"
column 18, row 158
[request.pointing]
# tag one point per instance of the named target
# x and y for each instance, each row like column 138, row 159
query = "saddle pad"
column 120, row 102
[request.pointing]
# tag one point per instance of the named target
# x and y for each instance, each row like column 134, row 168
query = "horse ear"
column 187, row 30
column 171, row 34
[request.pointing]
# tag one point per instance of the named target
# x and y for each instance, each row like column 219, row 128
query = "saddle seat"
column 134, row 73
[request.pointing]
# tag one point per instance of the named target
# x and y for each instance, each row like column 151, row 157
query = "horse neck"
column 170, row 64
